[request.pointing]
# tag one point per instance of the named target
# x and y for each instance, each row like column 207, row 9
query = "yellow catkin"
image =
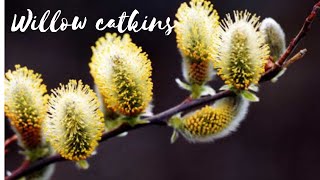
column 75, row 123
column 212, row 122
column 198, row 72
column 197, row 28
column 122, row 73
column 208, row 121
column 25, row 104
column 243, row 52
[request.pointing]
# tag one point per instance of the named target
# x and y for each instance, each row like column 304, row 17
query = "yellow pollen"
column 197, row 29
column 208, row 121
column 122, row 73
column 25, row 104
column 243, row 52
column 75, row 123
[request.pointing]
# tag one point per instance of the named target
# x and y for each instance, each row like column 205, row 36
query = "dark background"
column 278, row 140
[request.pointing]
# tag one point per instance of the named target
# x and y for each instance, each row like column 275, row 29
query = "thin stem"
column 160, row 119
column 20, row 169
column 9, row 141
column 295, row 58
column 302, row 33
column 293, row 44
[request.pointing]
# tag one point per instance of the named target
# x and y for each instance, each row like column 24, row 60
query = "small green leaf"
column 196, row 91
column 224, row 87
column 122, row 134
column 112, row 124
column 36, row 153
column 135, row 121
column 249, row 96
column 183, row 85
column 276, row 78
column 82, row 164
column 207, row 90
column 175, row 121
column 254, row 88
column 174, row 136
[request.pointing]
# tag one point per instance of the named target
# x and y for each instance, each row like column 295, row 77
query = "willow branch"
column 293, row 44
column 161, row 118
column 10, row 141
column 20, row 169
column 295, row 58
column 158, row 119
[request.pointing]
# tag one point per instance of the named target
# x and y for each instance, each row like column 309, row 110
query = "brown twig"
column 293, row 44
column 302, row 33
column 20, row 169
column 160, row 119
column 9, row 141
column 295, row 58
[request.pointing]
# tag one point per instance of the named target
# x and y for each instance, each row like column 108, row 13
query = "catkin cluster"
column 237, row 48
column 73, row 118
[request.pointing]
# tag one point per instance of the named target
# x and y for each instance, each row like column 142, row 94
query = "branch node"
column 295, row 58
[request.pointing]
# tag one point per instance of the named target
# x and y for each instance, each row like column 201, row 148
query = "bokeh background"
column 279, row 139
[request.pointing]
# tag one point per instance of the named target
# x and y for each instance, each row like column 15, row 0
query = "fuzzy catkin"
column 214, row 122
column 75, row 123
column 25, row 105
column 122, row 73
column 243, row 52
column 274, row 37
column 197, row 27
